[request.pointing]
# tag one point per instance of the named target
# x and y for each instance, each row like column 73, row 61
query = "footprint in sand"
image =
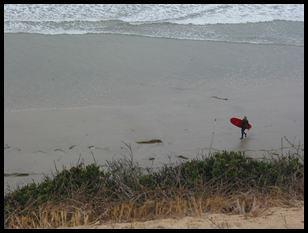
column 102, row 148
column 71, row 147
column 16, row 148
column 59, row 149
column 182, row 157
column 6, row 147
column 40, row 151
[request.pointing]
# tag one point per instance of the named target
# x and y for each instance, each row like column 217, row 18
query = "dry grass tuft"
column 50, row 216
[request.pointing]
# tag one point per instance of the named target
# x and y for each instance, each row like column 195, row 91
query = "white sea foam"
column 249, row 23
column 199, row 14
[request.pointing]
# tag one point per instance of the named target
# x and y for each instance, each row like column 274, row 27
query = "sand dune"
column 272, row 218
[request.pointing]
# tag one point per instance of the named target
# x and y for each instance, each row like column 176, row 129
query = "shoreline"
column 154, row 37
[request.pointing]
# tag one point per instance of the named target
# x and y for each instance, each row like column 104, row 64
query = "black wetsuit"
column 244, row 126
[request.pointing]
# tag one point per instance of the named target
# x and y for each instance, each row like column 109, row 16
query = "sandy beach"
column 66, row 96
column 272, row 218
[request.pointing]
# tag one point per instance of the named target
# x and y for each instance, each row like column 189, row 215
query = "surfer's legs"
column 243, row 132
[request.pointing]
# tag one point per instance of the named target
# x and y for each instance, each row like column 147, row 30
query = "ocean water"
column 248, row 23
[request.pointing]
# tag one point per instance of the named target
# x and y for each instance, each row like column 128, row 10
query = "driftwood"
column 16, row 174
column 150, row 141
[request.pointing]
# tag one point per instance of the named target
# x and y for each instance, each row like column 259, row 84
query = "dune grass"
column 121, row 190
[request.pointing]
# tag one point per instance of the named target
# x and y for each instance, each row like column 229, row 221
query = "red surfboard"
column 238, row 122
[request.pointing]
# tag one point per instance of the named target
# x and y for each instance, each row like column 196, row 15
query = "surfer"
column 244, row 126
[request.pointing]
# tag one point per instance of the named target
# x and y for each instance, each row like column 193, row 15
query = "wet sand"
column 66, row 96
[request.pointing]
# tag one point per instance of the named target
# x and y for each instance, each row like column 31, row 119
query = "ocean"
column 242, row 23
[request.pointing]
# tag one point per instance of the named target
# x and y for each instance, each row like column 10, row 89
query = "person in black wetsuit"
column 244, row 126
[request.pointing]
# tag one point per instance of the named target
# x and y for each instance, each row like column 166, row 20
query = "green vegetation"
column 122, row 190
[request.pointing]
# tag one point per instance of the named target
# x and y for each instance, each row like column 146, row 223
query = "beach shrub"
column 102, row 187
